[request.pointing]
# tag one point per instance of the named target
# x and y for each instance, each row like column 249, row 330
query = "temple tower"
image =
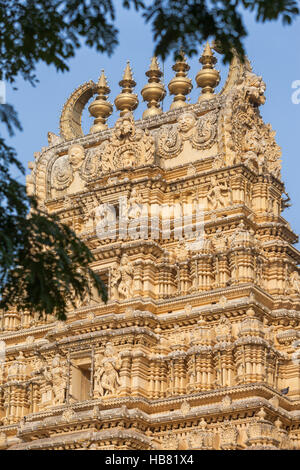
column 197, row 346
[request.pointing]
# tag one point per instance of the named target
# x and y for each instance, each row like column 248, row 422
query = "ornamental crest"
column 91, row 167
column 128, row 147
column 169, row 142
column 200, row 132
column 205, row 131
column 65, row 168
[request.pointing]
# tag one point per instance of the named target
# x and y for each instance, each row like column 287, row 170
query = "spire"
column 154, row 91
column 101, row 109
column 126, row 101
column 207, row 78
column 180, row 85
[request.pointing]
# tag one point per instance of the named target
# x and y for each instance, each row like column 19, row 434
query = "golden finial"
column 153, row 91
column 180, row 85
column 101, row 109
column 126, row 101
column 208, row 78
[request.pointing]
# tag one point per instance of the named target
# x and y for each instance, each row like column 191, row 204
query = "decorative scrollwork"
column 169, row 142
column 205, row 131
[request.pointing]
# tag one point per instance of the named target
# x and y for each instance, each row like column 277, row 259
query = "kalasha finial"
column 208, row 78
column 101, row 109
column 126, row 101
column 180, row 85
column 153, row 91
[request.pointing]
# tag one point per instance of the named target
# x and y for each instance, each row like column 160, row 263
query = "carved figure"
column 107, row 378
column 128, row 146
column 215, row 196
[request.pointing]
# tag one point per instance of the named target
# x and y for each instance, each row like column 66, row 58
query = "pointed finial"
column 180, row 85
column 126, row 101
column 154, row 65
column 102, row 82
column 153, row 91
column 101, row 109
column 208, row 78
column 128, row 73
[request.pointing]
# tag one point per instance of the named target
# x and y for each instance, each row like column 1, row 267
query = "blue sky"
column 272, row 49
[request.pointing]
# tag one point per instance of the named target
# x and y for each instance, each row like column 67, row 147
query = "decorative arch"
column 70, row 119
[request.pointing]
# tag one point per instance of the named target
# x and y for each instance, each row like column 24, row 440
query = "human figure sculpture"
column 126, row 276
column 295, row 282
column 215, row 196
column 58, row 377
column 107, row 378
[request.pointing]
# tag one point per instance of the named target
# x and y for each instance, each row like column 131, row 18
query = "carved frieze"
column 128, row 147
column 201, row 133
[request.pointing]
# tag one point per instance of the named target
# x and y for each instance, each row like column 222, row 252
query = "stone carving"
column 128, row 147
column 122, row 278
column 201, row 439
column 220, row 241
column 205, row 131
column 186, row 123
column 255, row 89
column 179, row 338
column 169, row 143
column 228, row 438
column 135, row 208
column 271, row 150
column 54, row 139
column 62, row 175
column 68, row 415
column 191, row 170
column 76, row 156
column 185, row 408
column 226, row 403
column 92, row 166
column 70, row 120
column 250, row 139
column 217, row 196
column 201, row 133
column 40, row 367
column 251, row 148
column 17, row 370
column 218, row 162
column 295, row 282
column 65, row 168
column 1, row 371
column 107, row 377
column 57, row 376
column 223, row 329
column 170, row 442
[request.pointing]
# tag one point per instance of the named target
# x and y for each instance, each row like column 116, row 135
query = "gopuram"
column 198, row 345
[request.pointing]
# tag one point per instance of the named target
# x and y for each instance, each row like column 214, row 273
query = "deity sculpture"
column 215, row 196
column 57, row 376
column 135, row 208
column 107, row 378
column 122, row 278
column 295, row 282
column 128, row 146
